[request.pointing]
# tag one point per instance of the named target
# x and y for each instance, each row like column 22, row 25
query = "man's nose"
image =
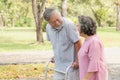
column 56, row 22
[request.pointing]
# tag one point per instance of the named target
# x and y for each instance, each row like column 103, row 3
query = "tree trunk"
column 3, row 20
column 96, row 17
column 11, row 22
column 38, row 9
column 64, row 8
column 117, row 19
column 39, row 32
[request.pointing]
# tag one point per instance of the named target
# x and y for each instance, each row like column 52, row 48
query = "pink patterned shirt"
column 91, row 59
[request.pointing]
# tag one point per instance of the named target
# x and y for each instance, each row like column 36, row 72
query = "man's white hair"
column 49, row 12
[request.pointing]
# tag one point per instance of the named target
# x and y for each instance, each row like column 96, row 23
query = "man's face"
column 55, row 20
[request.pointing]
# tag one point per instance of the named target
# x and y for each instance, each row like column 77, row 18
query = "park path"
column 24, row 57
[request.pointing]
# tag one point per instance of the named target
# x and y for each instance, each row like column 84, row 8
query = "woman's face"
column 80, row 33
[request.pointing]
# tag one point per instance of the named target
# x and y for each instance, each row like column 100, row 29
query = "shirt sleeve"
column 94, row 56
column 73, row 32
column 47, row 32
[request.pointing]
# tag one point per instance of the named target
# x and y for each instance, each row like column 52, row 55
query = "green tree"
column 117, row 3
column 64, row 7
column 15, row 13
column 38, row 7
column 98, row 9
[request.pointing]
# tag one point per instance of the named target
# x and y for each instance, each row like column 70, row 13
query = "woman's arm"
column 89, row 75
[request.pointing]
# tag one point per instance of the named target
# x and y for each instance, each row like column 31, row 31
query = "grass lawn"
column 21, row 39
column 109, row 36
column 18, row 39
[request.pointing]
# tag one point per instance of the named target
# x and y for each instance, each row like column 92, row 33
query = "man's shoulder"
column 67, row 20
column 69, row 23
column 48, row 26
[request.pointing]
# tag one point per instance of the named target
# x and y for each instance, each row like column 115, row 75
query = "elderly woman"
column 91, row 54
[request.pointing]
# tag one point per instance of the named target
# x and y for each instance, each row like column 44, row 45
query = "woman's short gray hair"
column 48, row 13
column 87, row 25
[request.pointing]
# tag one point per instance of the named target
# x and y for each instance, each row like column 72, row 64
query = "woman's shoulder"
column 96, row 40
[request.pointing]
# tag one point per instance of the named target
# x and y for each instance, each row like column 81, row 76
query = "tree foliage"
column 19, row 12
column 16, row 13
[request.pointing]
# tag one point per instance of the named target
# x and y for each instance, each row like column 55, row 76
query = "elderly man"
column 64, row 36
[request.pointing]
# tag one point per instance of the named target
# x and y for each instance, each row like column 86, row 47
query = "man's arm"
column 78, row 45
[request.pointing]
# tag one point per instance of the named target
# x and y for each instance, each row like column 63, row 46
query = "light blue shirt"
column 63, row 40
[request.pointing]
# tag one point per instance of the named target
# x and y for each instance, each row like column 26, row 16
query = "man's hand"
column 75, row 65
column 52, row 60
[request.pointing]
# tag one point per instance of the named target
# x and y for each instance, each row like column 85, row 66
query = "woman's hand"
column 85, row 79
column 89, row 75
